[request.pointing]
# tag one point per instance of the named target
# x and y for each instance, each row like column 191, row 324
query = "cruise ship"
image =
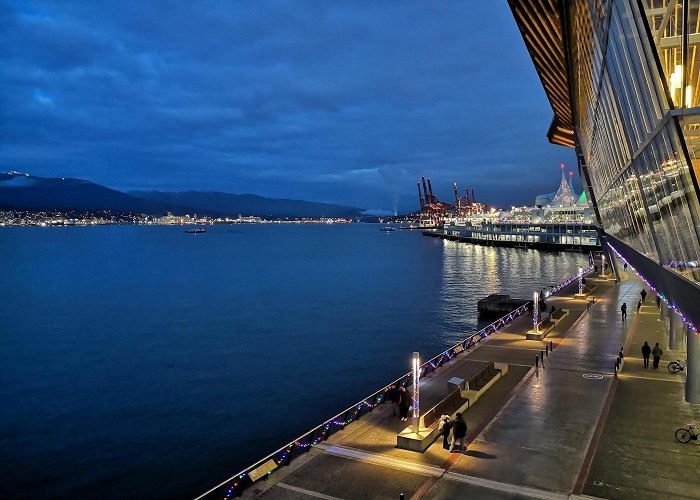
column 559, row 220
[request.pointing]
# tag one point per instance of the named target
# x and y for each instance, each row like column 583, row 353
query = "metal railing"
column 235, row 485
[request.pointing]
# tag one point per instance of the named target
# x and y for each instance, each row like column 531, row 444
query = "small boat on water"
column 387, row 228
column 197, row 230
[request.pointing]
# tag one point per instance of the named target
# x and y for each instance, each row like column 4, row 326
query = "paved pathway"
column 638, row 456
column 569, row 427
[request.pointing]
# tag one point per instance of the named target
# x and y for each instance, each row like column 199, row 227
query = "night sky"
column 341, row 102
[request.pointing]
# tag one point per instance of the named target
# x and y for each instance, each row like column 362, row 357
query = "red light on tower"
column 562, row 166
column 571, row 174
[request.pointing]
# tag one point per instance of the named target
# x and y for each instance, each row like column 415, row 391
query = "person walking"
column 643, row 293
column 623, row 308
column 625, row 266
column 646, row 351
column 656, row 352
column 639, row 305
column 459, row 432
column 404, row 403
column 392, row 396
column 658, row 302
column 445, row 431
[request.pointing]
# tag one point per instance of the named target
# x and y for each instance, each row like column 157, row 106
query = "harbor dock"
column 561, row 220
column 564, row 422
column 560, row 236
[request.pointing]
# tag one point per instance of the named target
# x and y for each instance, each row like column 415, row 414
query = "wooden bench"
column 558, row 315
column 545, row 323
column 587, row 290
column 543, row 328
column 456, row 401
column 447, row 406
column 480, row 382
column 483, row 377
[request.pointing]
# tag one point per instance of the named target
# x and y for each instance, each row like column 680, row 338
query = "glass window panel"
column 648, row 198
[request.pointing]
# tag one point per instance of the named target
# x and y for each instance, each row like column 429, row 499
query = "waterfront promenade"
column 566, row 429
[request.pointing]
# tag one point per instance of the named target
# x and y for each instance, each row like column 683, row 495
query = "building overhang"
column 541, row 28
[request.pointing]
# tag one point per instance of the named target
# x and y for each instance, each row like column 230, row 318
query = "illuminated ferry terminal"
column 561, row 220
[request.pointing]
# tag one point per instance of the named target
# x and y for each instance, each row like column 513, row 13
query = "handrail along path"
column 235, row 485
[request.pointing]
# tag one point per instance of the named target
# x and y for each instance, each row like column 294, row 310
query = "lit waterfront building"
column 558, row 220
column 562, row 205
column 623, row 78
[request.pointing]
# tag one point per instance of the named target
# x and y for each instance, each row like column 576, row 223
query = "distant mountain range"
column 20, row 191
column 246, row 204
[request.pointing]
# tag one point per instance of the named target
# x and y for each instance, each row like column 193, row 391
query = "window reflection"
column 666, row 24
column 645, row 186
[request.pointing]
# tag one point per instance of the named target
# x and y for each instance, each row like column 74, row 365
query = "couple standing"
column 656, row 351
column 400, row 401
column 459, row 431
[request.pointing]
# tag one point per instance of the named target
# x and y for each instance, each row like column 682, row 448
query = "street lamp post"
column 580, row 281
column 416, row 377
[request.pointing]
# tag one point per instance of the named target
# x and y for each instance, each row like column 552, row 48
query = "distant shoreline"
column 18, row 218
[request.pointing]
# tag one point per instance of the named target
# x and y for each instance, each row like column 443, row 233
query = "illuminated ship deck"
column 557, row 236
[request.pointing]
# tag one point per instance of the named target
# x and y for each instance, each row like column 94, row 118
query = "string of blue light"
column 282, row 455
column 661, row 295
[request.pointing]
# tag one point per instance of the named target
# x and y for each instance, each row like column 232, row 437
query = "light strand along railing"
column 660, row 294
column 235, row 485
column 563, row 284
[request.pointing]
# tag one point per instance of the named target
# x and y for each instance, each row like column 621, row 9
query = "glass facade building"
column 631, row 140
column 623, row 79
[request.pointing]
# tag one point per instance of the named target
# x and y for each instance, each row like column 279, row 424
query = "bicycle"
column 676, row 366
column 686, row 434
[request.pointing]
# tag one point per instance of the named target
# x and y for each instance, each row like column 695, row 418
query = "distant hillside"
column 248, row 204
column 27, row 192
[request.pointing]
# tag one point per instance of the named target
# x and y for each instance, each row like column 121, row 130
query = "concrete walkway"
column 567, row 428
column 638, row 455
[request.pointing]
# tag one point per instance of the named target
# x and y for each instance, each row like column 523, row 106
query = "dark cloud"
column 344, row 102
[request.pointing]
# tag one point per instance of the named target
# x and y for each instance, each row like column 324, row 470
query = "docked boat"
column 387, row 228
column 196, row 230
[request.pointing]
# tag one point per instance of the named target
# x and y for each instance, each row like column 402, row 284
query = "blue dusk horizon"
column 320, row 101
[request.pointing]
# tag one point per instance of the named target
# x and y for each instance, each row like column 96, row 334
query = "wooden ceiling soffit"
column 539, row 25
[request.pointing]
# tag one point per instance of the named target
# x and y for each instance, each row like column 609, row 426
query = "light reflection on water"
column 471, row 272
column 176, row 353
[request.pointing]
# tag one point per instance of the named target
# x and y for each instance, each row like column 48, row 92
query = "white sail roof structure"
column 565, row 196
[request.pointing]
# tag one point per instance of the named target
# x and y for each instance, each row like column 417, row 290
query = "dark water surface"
column 144, row 362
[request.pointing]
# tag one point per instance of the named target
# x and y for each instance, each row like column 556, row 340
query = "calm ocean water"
column 144, row 362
